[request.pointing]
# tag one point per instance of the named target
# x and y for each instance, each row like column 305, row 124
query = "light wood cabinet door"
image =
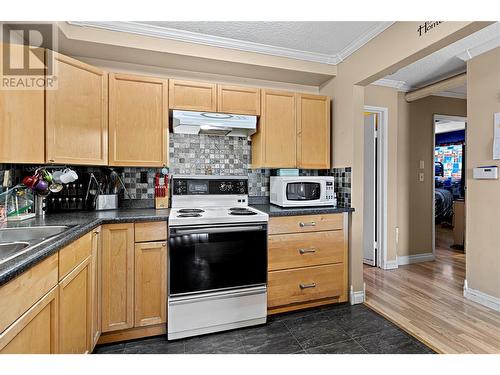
column 75, row 303
column 274, row 144
column 150, row 283
column 192, row 96
column 95, row 289
column 36, row 331
column 117, row 277
column 138, row 121
column 238, row 100
column 77, row 114
column 313, row 131
column 22, row 118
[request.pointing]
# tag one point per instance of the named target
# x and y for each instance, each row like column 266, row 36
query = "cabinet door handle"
column 305, row 251
column 308, row 224
column 307, row 286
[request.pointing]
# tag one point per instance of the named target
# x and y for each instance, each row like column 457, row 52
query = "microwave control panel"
column 330, row 191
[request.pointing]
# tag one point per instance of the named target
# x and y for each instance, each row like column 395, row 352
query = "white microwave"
column 302, row 191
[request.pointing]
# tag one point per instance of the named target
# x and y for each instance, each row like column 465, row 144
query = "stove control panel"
column 217, row 186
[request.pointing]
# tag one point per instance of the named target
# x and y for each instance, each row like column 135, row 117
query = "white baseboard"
column 358, row 297
column 391, row 264
column 417, row 258
column 481, row 298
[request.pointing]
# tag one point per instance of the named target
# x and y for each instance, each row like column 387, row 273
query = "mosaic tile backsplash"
column 205, row 154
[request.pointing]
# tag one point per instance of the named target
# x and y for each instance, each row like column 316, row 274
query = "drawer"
column 19, row 294
column 305, row 223
column 305, row 284
column 73, row 254
column 150, row 231
column 305, row 249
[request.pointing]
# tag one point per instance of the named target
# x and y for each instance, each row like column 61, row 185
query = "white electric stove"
column 217, row 258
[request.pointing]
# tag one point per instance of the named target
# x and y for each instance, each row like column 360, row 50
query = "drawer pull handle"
column 305, row 251
column 307, row 286
column 308, row 224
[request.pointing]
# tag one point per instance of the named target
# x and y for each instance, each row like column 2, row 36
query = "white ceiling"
column 445, row 63
column 325, row 42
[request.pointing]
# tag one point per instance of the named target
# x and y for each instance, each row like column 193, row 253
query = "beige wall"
column 420, row 147
column 155, row 71
column 410, row 129
column 482, row 197
column 375, row 60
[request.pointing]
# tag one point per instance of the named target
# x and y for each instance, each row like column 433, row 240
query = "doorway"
column 450, row 157
column 375, row 186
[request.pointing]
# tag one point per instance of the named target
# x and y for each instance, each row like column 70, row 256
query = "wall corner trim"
column 358, row 297
column 417, row 258
column 481, row 298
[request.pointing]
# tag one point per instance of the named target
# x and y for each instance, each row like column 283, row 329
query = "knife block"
column 161, row 202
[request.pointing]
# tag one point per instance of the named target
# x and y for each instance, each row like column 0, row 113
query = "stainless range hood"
column 222, row 124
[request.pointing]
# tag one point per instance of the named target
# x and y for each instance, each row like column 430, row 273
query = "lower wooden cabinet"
column 150, row 283
column 36, row 331
column 307, row 261
column 117, row 277
column 305, row 284
column 75, row 310
column 96, row 284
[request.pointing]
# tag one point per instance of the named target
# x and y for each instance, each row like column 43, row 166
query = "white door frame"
column 382, row 168
column 434, row 118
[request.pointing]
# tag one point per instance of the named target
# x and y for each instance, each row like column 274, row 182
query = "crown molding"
column 482, row 48
column 362, row 40
column 222, row 42
column 395, row 84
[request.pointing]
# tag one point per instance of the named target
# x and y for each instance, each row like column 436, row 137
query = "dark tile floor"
column 334, row 329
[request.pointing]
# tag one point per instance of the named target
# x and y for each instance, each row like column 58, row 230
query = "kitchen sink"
column 17, row 241
column 30, row 233
column 8, row 249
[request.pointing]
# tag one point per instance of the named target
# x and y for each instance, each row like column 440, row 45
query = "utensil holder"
column 106, row 202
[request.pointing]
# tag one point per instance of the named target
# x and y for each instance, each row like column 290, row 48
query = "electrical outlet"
column 144, row 177
column 421, row 177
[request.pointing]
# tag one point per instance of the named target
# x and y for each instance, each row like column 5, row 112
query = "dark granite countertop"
column 273, row 210
column 81, row 223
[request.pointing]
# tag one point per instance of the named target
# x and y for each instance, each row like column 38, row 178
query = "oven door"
column 303, row 191
column 209, row 258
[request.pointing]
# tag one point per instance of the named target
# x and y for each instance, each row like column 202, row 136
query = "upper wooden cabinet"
column 22, row 120
column 138, row 121
column 117, row 277
column 192, row 96
column 313, row 131
column 77, row 114
column 293, row 132
column 238, row 100
column 274, row 144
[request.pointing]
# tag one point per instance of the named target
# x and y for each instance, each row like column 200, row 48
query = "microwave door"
column 303, row 191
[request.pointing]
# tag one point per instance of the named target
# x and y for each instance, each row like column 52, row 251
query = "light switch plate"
column 421, row 164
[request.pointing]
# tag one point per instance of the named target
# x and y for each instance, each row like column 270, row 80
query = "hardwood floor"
column 426, row 300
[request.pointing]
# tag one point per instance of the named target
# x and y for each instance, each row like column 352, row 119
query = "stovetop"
column 215, row 215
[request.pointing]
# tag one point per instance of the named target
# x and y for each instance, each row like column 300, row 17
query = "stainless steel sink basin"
column 17, row 241
column 8, row 249
column 30, row 233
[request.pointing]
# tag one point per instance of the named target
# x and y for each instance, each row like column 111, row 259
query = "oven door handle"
column 248, row 228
